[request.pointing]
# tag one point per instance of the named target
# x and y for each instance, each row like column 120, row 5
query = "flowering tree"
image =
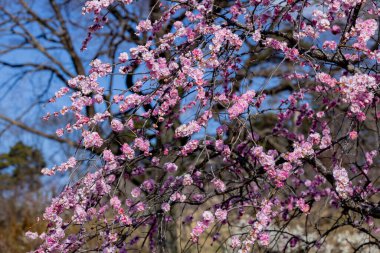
column 241, row 121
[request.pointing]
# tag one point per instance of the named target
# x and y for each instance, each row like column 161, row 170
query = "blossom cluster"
column 198, row 131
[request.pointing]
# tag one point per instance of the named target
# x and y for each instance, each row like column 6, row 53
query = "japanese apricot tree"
column 240, row 120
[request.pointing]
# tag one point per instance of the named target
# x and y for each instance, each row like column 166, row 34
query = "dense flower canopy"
column 244, row 118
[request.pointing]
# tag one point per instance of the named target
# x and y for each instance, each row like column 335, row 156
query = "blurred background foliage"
column 22, row 197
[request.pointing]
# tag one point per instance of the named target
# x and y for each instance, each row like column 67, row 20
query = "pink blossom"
column 353, row 135
column 165, row 207
column 144, row 26
column 369, row 156
column 241, row 104
column 127, row 151
column 327, row 79
column 116, row 125
column 80, row 214
column 143, row 145
column 187, row 129
column 304, row 207
column 326, row 139
column 31, row 235
column 321, row 20
column 219, row 145
column 59, row 132
column 264, row 239
column 155, row 161
column 140, row 207
column 355, row 90
column 178, row 197
column 364, row 29
column 149, row 185
column 189, row 147
column 131, row 101
column 170, row 167
column 314, row 138
column 197, row 231
column 329, row 45
column 136, row 192
column 126, row 220
column 187, row 180
column 219, row 185
column 71, row 163
column 115, row 202
column 92, row 139
column 256, row 35
column 208, row 216
column 235, row 242
column 99, row 69
column 108, row 156
column 123, row 57
column 220, row 214
column 342, row 182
